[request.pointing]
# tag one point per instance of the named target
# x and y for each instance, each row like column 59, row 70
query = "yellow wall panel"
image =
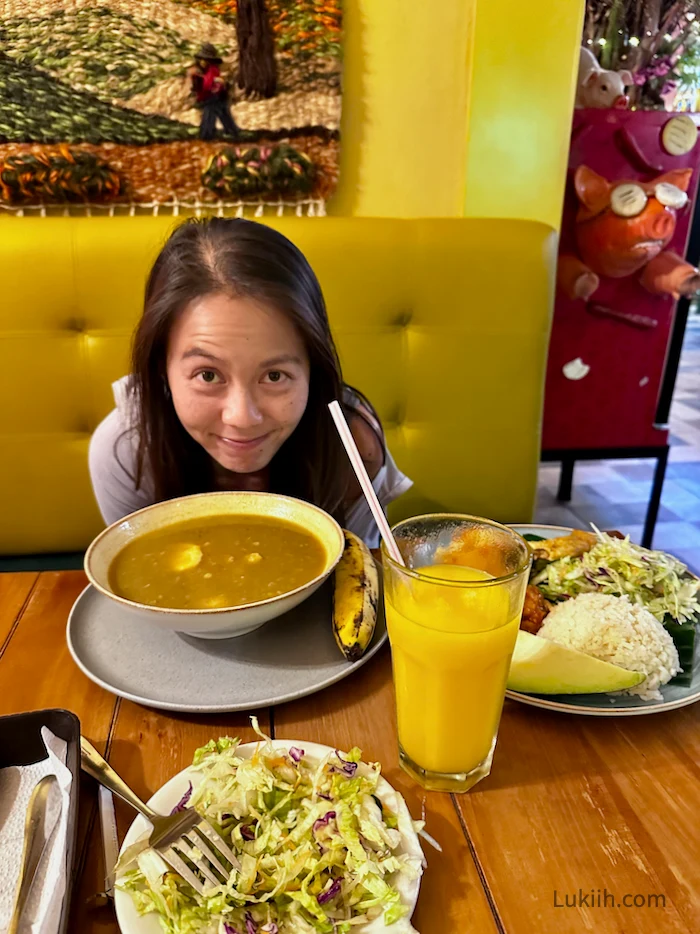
column 521, row 94
column 404, row 107
column 457, row 107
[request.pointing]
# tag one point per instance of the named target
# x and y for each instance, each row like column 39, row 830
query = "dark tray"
column 21, row 744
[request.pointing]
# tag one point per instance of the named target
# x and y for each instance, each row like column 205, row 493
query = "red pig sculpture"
column 623, row 227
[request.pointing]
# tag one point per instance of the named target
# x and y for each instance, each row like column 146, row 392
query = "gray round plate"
column 285, row 659
column 607, row 705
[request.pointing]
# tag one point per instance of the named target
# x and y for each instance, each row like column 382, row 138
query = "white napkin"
column 42, row 913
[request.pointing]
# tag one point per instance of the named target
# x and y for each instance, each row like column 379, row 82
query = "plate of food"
column 609, row 628
column 323, row 841
column 196, row 656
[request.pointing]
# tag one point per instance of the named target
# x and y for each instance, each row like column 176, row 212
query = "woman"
column 233, row 367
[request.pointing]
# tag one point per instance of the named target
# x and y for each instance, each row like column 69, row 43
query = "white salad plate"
column 288, row 658
column 606, row 705
column 165, row 799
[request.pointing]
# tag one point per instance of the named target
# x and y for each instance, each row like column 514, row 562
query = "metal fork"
column 187, row 842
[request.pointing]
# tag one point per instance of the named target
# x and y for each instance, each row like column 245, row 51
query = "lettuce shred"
column 317, row 854
column 653, row 579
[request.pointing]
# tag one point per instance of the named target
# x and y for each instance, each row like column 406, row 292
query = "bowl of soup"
column 215, row 565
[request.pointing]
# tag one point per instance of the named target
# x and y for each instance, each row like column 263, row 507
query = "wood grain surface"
column 14, row 592
column 577, row 808
column 578, row 805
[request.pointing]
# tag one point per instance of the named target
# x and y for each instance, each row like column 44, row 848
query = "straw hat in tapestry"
column 208, row 53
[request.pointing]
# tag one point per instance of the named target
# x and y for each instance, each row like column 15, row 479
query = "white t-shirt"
column 112, row 460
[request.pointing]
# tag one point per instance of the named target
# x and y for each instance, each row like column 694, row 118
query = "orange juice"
column 452, row 635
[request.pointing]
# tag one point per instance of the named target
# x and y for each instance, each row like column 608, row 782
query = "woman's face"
column 238, row 373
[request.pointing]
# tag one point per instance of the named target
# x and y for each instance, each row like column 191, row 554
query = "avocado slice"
column 539, row 666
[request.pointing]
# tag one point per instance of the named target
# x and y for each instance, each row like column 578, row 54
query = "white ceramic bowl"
column 223, row 622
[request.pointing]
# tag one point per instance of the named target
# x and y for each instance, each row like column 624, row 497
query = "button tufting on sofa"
column 403, row 319
column 77, row 324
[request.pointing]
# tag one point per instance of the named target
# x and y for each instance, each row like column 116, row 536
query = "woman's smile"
column 243, row 444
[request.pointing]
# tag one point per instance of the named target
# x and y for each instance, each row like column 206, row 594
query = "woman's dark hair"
column 238, row 258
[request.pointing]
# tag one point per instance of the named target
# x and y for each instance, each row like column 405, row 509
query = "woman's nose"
column 241, row 409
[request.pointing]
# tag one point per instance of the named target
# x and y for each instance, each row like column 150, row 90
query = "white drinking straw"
column 365, row 482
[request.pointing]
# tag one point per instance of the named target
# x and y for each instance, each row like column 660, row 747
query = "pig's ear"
column 626, row 77
column 678, row 177
column 590, row 79
column 592, row 189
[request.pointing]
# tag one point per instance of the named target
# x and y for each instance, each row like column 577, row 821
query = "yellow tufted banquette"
column 443, row 323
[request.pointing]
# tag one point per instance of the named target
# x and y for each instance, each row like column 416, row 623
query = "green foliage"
column 57, row 178
column 302, row 28
column 226, row 9
column 307, row 28
column 264, row 171
column 111, row 54
column 34, row 107
column 688, row 64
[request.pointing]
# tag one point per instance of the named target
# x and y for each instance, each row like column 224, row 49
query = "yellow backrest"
column 443, row 323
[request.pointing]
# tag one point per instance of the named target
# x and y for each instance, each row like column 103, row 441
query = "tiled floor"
column 615, row 493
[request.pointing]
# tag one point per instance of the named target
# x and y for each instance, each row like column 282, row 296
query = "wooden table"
column 575, row 805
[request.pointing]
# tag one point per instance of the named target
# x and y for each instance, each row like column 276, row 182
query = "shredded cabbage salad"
column 319, row 852
column 615, row 566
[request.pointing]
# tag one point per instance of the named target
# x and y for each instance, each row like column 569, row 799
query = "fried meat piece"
column 574, row 545
column 534, row 610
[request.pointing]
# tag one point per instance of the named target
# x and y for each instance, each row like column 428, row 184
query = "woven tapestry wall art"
column 162, row 106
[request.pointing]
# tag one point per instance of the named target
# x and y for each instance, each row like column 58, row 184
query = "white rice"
column 615, row 630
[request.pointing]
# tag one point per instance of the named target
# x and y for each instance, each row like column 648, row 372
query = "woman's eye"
column 208, row 376
column 275, row 376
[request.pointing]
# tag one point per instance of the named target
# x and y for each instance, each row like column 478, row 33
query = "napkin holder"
column 21, row 744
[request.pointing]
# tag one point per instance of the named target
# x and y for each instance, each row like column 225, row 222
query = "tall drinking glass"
column 453, row 615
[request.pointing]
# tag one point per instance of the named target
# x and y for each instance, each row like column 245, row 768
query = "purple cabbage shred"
column 296, row 753
column 182, row 803
column 229, row 929
column 247, row 832
column 349, row 768
column 270, row 928
column 250, row 925
column 329, row 894
column 323, row 821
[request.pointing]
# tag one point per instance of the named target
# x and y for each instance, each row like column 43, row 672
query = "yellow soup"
column 220, row 561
